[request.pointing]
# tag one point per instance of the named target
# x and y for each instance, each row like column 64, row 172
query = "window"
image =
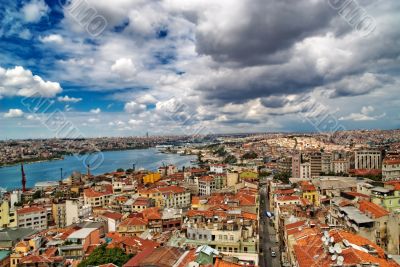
column 225, row 237
column 231, row 238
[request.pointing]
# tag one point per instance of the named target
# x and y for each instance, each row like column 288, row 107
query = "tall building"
column 59, row 214
column 316, row 164
column 305, row 170
column 296, row 161
column 76, row 211
column 326, row 159
column 368, row 159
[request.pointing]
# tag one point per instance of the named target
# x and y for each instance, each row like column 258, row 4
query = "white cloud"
column 32, row 117
column 124, row 67
column 66, row 98
column 14, row 113
column 34, row 10
column 52, row 38
column 364, row 115
column 95, row 111
column 91, row 120
column 133, row 107
column 21, row 82
column 135, row 122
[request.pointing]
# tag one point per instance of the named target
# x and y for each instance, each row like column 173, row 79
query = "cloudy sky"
column 127, row 67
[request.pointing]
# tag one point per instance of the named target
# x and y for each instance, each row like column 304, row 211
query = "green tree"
column 37, row 194
column 103, row 255
column 250, row 155
column 230, row 159
column 282, row 176
column 120, row 170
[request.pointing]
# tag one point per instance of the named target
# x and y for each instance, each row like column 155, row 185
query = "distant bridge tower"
column 23, row 181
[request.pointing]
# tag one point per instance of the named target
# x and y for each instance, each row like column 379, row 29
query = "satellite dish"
column 333, row 258
column 326, row 242
column 331, row 250
column 339, row 263
column 323, row 239
column 326, row 233
column 332, row 239
column 338, row 250
column 340, row 259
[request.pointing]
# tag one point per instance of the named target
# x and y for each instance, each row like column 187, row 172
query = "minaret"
column 23, row 181
column 88, row 170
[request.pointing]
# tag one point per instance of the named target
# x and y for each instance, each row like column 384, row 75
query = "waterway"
column 149, row 159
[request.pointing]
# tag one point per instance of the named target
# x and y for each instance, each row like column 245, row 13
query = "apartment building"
column 76, row 211
column 315, row 164
column 98, row 196
column 326, row 159
column 132, row 226
column 391, row 168
column 7, row 215
column 340, row 166
column 79, row 242
column 305, row 170
column 59, row 214
column 238, row 234
column 296, row 161
column 206, row 185
column 32, row 217
column 175, row 197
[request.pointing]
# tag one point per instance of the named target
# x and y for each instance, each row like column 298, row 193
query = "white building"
column 175, row 197
column 32, row 217
column 218, row 168
column 368, row 159
column 206, row 185
column 340, row 166
column 391, row 169
column 76, row 211
column 305, row 170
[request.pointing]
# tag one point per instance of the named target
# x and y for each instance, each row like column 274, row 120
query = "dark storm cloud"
column 264, row 30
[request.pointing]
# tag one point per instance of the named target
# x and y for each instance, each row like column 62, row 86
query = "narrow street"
column 267, row 234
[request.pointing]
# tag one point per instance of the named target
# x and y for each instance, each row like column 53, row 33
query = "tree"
column 37, row 194
column 230, row 159
column 120, row 170
column 282, row 176
column 103, row 255
column 220, row 152
column 250, row 155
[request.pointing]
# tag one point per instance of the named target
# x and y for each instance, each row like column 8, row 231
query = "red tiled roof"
column 151, row 214
column 395, row 184
column 90, row 192
column 133, row 221
column 135, row 260
column 206, row 178
column 288, row 198
column 361, row 172
column 294, row 225
column 141, row 201
column 284, row 191
column 113, row 215
column 221, row 263
column 31, row 210
column 173, row 189
column 369, row 207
